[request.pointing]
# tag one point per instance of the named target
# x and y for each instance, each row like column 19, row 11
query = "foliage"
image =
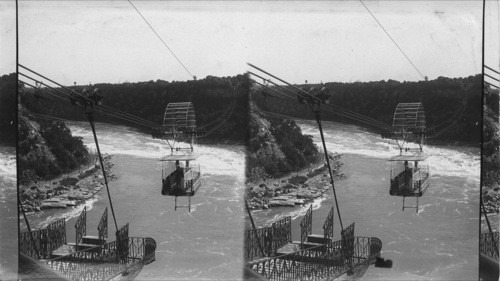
column 277, row 147
column 211, row 97
column 68, row 150
column 47, row 150
column 299, row 149
column 8, row 109
column 441, row 98
column 490, row 167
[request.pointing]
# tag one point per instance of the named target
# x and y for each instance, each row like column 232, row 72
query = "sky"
column 325, row 41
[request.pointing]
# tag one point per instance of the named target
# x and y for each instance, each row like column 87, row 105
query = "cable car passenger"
column 179, row 176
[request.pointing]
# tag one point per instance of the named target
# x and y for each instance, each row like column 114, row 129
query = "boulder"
column 297, row 180
column 75, row 195
column 281, row 203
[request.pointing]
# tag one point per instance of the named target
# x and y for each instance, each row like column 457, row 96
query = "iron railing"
column 102, row 228
column 56, row 233
column 271, row 238
column 122, row 246
column 487, row 245
column 45, row 240
column 348, row 243
column 100, row 263
column 319, row 262
column 81, row 226
column 33, row 243
column 306, row 225
column 328, row 226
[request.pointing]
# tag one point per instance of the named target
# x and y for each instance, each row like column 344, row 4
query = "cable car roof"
column 409, row 157
column 179, row 115
column 181, row 157
column 409, row 115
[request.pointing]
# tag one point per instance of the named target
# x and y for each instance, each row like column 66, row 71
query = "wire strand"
column 393, row 41
column 172, row 52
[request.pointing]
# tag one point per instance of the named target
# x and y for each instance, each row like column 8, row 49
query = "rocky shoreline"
column 295, row 189
column 68, row 190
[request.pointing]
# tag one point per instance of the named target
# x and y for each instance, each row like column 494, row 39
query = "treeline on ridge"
column 211, row 97
column 441, row 98
column 8, row 109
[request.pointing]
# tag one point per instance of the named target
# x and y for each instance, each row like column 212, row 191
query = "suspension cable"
column 115, row 113
column 91, row 121
column 99, row 110
column 86, row 98
column 159, row 37
column 393, row 41
column 316, row 108
column 327, row 108
column 313, row 97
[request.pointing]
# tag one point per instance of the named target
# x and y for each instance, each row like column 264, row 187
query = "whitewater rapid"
column 8, row 214
column 205, row 243
column 439, row 242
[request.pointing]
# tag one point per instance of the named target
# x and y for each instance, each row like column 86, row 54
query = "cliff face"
column 264, row 156
column 46, row 149
column 276, row 147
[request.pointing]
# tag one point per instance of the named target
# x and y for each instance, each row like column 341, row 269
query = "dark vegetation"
column 47, row 149
column 8, row 109
column 441, row 98
column 490, row 166
column 212, row 97
column 277, row 147
column 299, row 149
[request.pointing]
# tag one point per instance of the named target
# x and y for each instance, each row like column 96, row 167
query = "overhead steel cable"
column 330, row 110
column 393, row 41
column 152, row 124
column 124, row 118
column 347, row 114
column 491, row 85
column 496, row 79
column 223, row 116
column 86, row 98
column 458, row 114
column 315, row 98
column 232, row 107
column 91, row 121
column 496, row 71
column 341, row 111
column 159, row 37
column 317, row 112
column 69, row 102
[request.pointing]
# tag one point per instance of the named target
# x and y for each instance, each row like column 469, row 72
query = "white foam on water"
column 295, row 212
column 113, row 139
column 8, row 164
column 350, row 139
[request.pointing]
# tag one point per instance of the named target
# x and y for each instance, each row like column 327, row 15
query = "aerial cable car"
column 408, row 178
column 180, row 177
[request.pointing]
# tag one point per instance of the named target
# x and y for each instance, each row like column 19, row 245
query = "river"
column 8, row 214
column 440, row 242
column 202, row 244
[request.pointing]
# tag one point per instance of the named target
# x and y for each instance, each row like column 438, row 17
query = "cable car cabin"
column 180, row 177
column 409, row 178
